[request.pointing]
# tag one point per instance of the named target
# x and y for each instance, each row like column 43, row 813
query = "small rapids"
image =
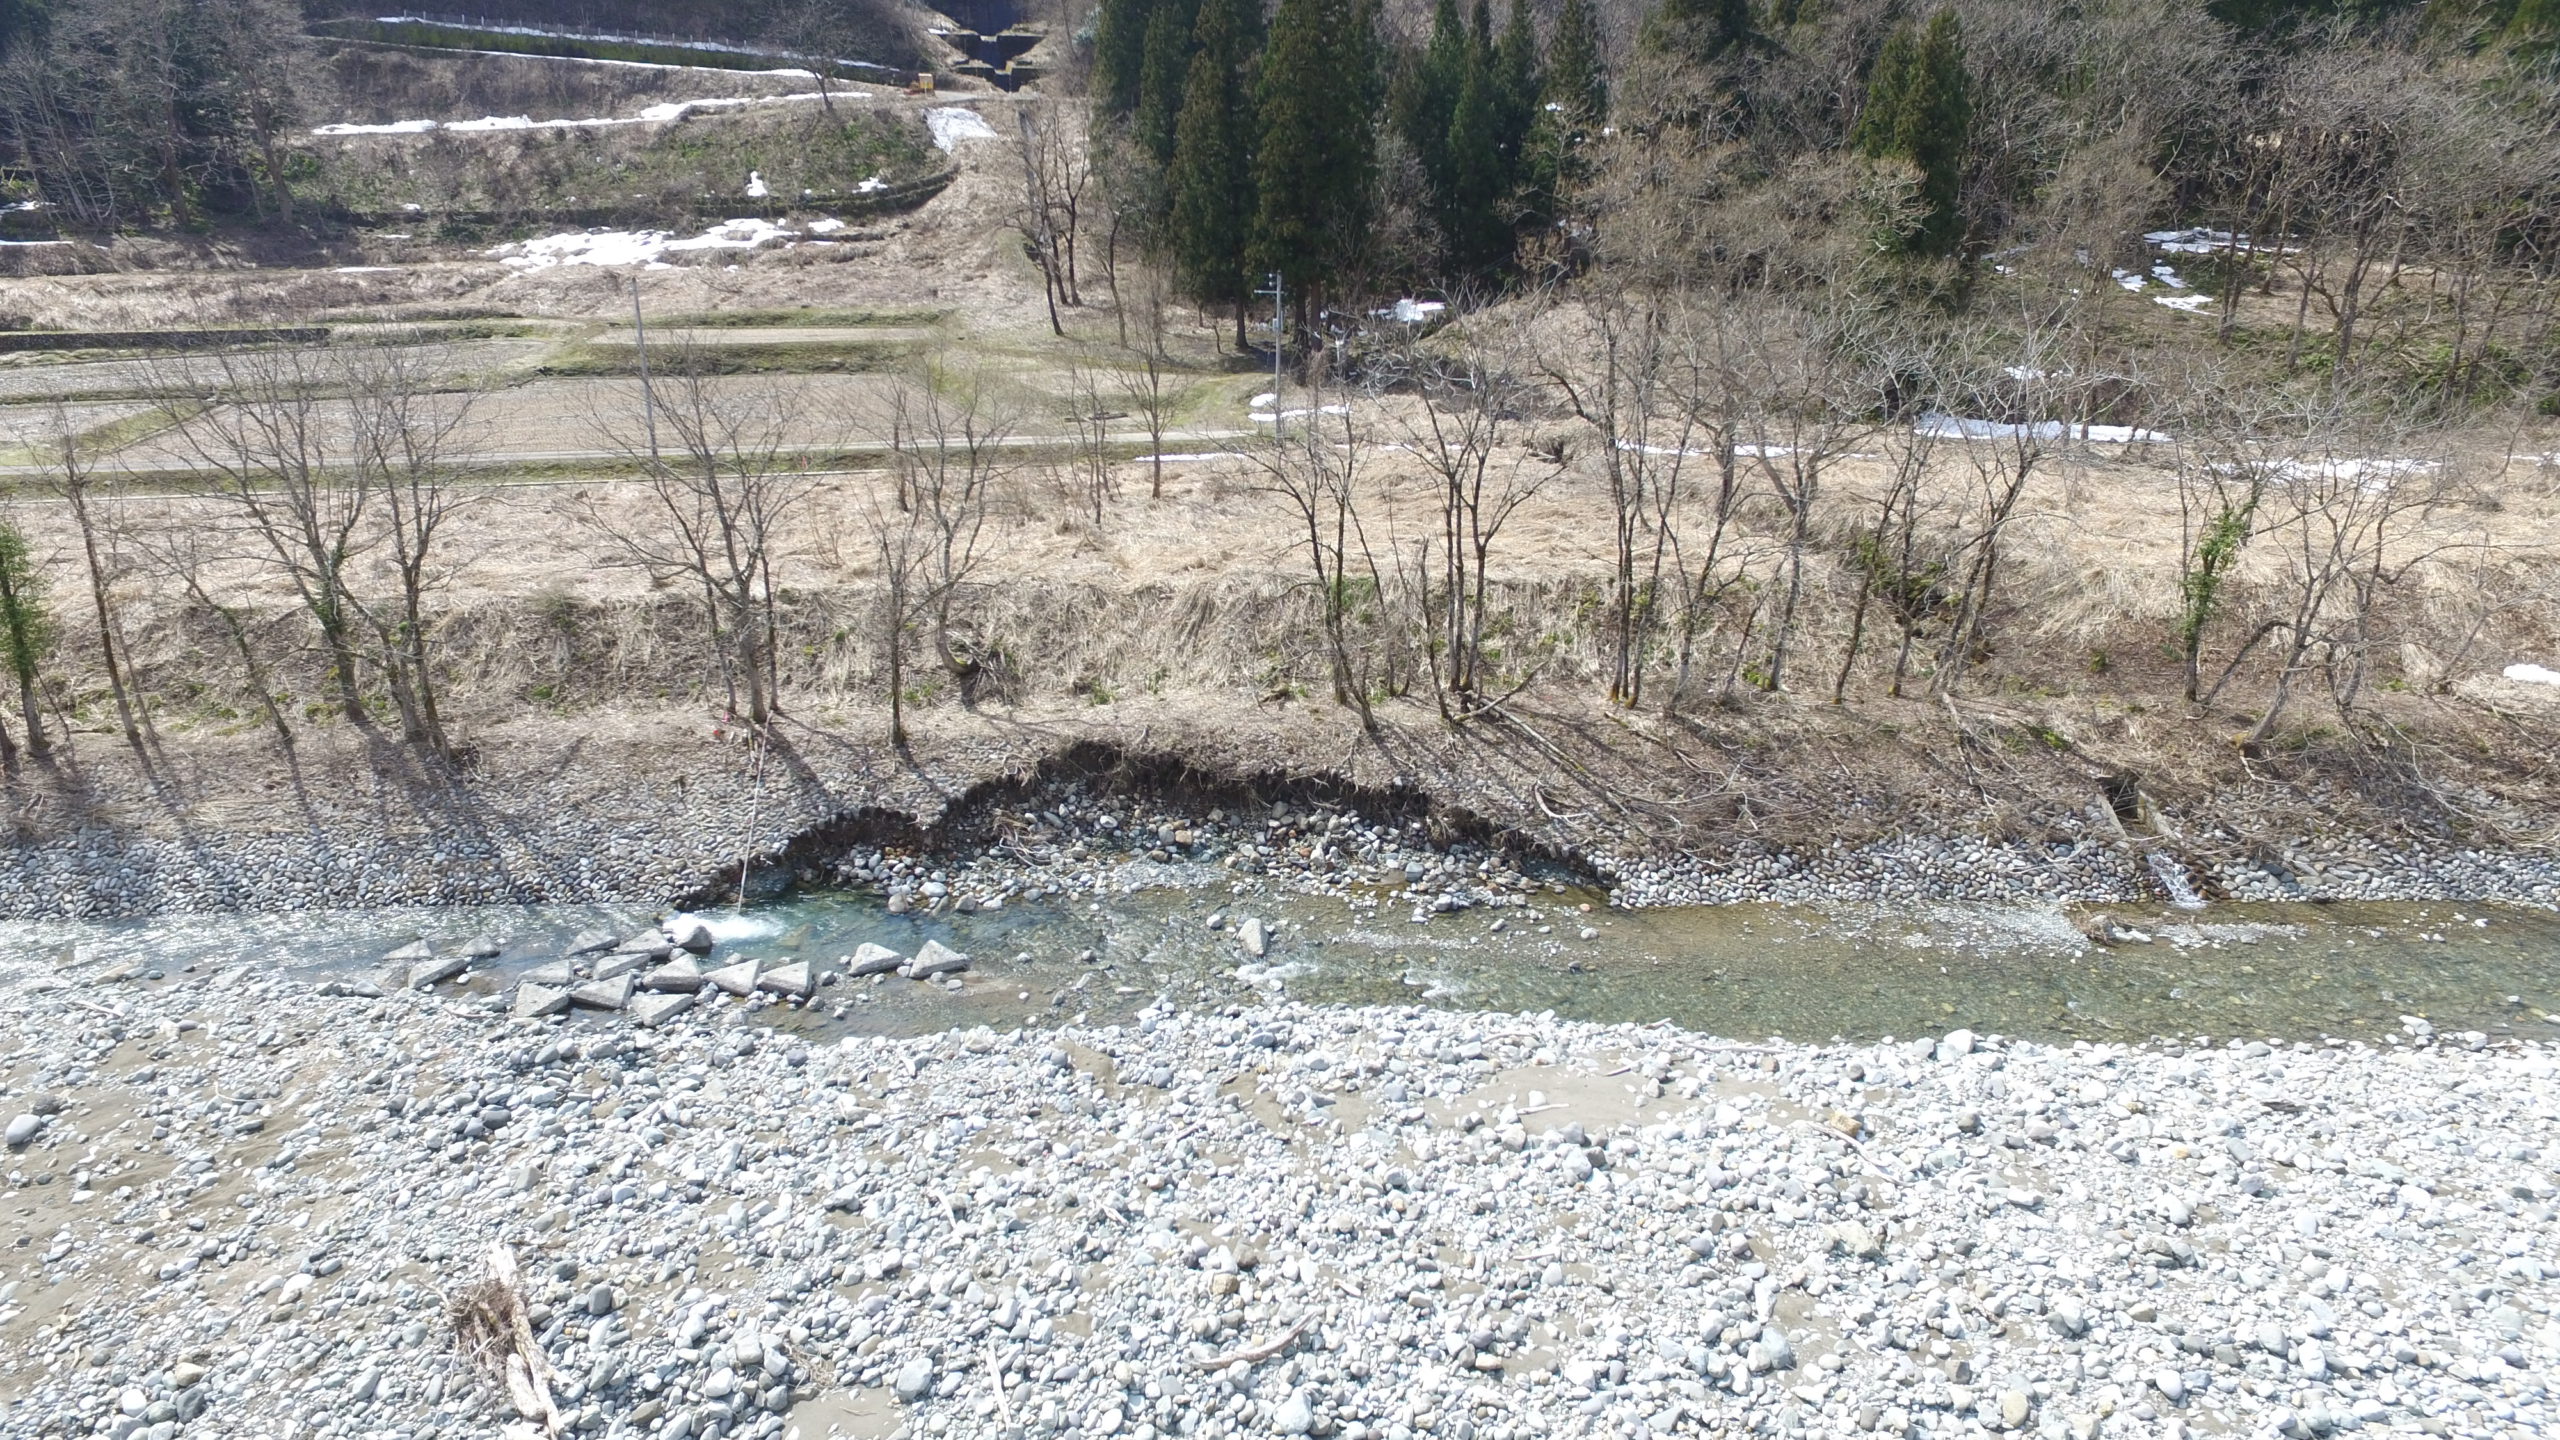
column 2174, row 882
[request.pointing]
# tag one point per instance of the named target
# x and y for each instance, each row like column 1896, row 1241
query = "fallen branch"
column 492, row 1330
column 995, row 1377
column 1255, row 1354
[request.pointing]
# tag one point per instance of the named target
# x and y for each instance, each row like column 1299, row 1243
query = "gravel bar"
column 239, row 1208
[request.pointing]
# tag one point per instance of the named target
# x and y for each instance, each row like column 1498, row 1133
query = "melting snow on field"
column 2372, row 475
column 951, row 126
column 652, row 115
column 1270, row 416
column 634, row 247
column 2533, row 674
column 711, row 45
column 1957, row 427
column 1742, row 450
column 2208, row 242
column 2166, row 275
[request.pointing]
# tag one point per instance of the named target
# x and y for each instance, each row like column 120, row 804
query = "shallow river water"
column 2291, row 971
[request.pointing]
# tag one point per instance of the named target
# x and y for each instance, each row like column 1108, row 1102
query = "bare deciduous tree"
column 270, row 426
column 722, row 477
column 1642, row 437
column 949, row 429
column 410, row 434
column 1315, row 470
column 1057, row 167
column 1468, row 404
column 67, row 467
column 1151, row 385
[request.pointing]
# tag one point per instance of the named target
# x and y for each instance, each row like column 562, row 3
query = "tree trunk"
column 37, row 745
column 106, row 620
column 897, row 665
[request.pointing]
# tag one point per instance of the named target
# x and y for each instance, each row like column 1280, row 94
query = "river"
column 2256, row 971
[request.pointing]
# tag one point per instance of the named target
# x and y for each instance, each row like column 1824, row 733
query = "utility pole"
column 1274, row 291
column 648, row 396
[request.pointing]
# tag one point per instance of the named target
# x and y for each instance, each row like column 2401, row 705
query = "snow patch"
column 664, row 113
column 953, row 126
column 1957, row 427
column 2200, row 241
column 1744, row 450
column 2373, row 476
column 634, row 247
column 2533, row 675
column 713, row 46
column 396, row 127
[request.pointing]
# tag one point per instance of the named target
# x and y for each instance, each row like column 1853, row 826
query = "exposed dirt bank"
column 1772, row 800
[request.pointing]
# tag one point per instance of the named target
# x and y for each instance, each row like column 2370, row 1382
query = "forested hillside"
column 119, row 114
column 1360, row 148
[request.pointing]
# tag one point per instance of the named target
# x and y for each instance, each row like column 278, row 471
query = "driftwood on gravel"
column 492, row 1331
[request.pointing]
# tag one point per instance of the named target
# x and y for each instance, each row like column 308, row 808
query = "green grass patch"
column 476, row 184
column 804, row 318
column 826, row 358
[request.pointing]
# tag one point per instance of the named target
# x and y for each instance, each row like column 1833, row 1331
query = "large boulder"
column 436, row 972
column 794, row 980
column 682, row 975
column 870, row 959
column 933, row 960
column 610, row 994
column 736, row 979
column 653, row 1011
column 539, row 1000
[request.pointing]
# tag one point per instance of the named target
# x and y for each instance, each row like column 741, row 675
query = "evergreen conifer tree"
column 1212, row 175
column 1518, row 80
column 1167, row 70
column 26, row 629
column 1577, row 78
column 1472, row 209
column 1425, row 97
column 1920, row 108
column 1120, row 56
column 1888, row 86
column 1317, row 148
